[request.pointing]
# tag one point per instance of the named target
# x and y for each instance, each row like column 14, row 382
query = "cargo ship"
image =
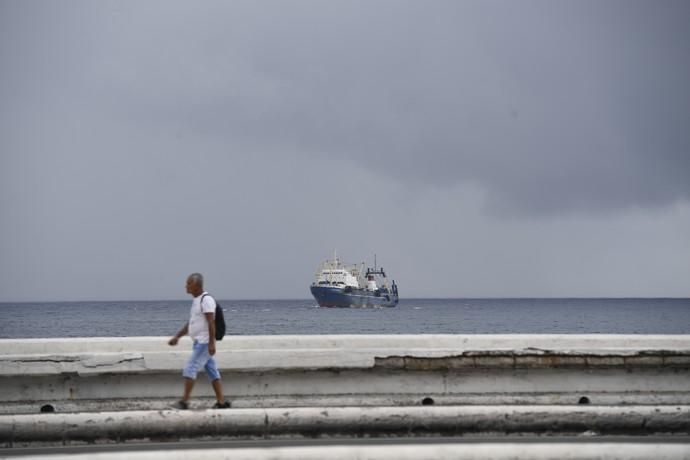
column 340, row 285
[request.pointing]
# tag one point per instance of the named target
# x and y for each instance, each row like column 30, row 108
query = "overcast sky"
column 488, row 148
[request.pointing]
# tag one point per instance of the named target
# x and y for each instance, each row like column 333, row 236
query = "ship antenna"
column 374, row 262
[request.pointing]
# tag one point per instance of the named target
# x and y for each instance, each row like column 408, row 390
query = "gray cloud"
column 551, row 107
column 294, row 127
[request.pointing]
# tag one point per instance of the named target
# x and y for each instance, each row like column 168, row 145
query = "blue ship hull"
column 328, row 296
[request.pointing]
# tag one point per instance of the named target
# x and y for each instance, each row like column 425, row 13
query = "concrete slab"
column 255, row 353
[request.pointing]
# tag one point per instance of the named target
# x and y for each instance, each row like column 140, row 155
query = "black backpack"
column 220, row 319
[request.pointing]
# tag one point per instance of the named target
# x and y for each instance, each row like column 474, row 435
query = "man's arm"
column 182, row 332
column 211, row 333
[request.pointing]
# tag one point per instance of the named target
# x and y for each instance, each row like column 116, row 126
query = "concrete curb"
column 18, row 430
column 495, row 451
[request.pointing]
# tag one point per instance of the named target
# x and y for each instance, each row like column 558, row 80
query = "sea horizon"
column 538, row 315
column 306, row 298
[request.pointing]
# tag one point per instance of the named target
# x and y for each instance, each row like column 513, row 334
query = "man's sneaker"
column 181, row 405
column 223, row 405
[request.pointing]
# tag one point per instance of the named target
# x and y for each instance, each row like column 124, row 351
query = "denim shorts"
column 201, row 358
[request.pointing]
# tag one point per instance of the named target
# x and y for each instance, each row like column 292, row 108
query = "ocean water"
column 411, row 316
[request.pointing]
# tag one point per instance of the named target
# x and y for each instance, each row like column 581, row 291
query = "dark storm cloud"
column 143, row 140
column 550, row 107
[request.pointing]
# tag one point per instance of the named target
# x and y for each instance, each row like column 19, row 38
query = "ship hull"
column 337, row 297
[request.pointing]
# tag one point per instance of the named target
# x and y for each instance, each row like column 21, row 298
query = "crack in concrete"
column 541, row 350
column 70, row 359
column 62, row 359
column 121, row 361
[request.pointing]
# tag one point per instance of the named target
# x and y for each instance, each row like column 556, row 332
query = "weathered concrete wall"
column 17, row 430
column 144, row 373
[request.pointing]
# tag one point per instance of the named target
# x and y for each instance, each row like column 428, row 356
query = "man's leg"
column 214, row 375
column 188, row 385
column 218, row 388
column 195, row 362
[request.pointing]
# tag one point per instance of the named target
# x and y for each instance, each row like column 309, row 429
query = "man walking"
column 202, row 329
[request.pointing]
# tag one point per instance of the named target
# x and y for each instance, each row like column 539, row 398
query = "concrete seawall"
column 86, row 374
column 334, row 385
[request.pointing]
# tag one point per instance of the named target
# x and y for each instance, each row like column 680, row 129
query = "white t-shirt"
column 198, row 326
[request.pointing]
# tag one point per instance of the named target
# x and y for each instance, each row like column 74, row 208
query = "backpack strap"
column 201, row 307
